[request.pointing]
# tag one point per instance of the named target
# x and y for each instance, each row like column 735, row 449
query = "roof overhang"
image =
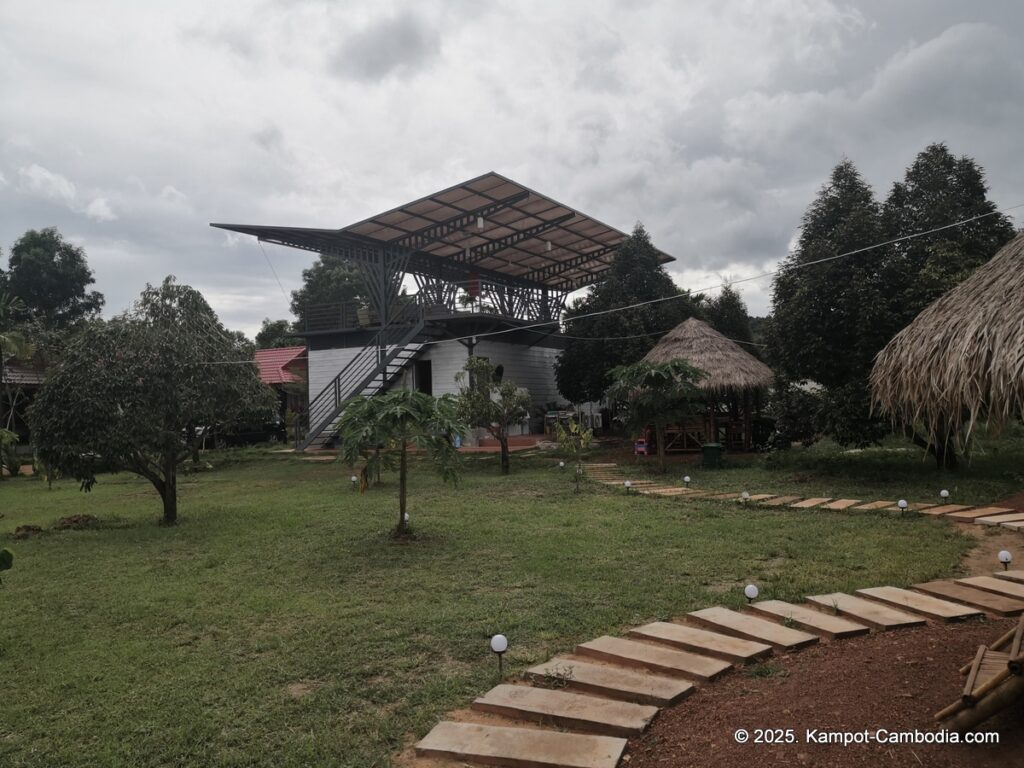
column 490, row 226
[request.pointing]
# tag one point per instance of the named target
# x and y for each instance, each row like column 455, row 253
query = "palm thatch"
column 727, row 366
column 962, row 359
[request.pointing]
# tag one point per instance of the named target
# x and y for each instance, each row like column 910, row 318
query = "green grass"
column 895, row 470
column 136, row 645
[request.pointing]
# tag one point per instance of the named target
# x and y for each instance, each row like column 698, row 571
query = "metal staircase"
column 369, row 372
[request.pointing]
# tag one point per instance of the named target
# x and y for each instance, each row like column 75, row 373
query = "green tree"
column 332, row 279
column 825, row 324
column 275, row 333
column 129, row 394
column 573, row 442
column 489, row 402
column 938, row 189
column 52, row 276
column 14, row 345
column 727, row 314
column 655, row 393
column 396, row 420
column 583, row 369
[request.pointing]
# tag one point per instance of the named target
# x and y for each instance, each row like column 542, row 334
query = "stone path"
column 575, row 711
column 612, row 475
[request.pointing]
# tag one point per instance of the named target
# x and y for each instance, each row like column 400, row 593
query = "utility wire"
column 686, row 294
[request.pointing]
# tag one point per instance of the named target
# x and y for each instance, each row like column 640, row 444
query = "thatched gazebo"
column 961, row 360
column 732, row 386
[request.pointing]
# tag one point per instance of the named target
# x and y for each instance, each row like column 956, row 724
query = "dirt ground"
column 892, row 680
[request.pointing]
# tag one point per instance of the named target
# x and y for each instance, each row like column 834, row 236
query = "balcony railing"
column 351, row 315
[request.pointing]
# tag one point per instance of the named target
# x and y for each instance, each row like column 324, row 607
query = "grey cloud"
column 399, row 45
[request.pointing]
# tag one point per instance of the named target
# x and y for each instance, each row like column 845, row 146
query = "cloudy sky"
column 131, row 125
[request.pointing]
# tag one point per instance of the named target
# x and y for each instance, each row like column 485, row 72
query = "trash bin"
column 712, row 455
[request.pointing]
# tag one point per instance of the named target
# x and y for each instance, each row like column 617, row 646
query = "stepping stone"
column 778, row 501
column 762, row 496
column 841, row 504
column 945, row 509
column 613, row 682
column 913, row 506
column 971, row 514
column 520, row 747
column 1014, row 526
column 1017, row 576
column 876, row 616
column 701, row 641
column 724, row 496
column 999, row 586
column 567, row 710
column 875, row 505
column 670, row 491
column 832, row 627
column 926, row 605
column 667, row 661
column 1000, row 605
column 1016, row 517
column 808, row 503
column 752, row 628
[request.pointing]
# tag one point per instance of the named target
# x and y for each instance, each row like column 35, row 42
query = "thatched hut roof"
column 729, row 368
column 962, row 358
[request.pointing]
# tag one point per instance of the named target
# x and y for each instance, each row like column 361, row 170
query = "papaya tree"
column 383, row 427
column 131, row 393
column 655, row 393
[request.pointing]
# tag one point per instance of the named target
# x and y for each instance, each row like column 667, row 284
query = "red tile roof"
column 279, row 366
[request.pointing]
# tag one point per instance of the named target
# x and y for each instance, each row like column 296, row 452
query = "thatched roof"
column 962, row 358
column 727, row 365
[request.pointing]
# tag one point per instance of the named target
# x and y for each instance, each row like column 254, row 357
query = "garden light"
column 1005, row 558
column 499, row 644
column 627, row 485
column 686, row 480
column 944, row 494
column 751, row 592
column 745, row 497
column 561, row 465
column 354, row 480
column 902, row 504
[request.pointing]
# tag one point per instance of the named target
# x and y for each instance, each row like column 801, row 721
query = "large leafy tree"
column 14, row 345
column 727, row 314
column 825, row 310
column 52, row 277
column 129, row 394
column 938, row 189
column 375, row 429
column 331, row 280
column 275, row 333
column 583, row 369
column 487, row 401
column 656, row 393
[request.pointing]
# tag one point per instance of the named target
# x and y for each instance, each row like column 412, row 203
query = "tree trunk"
column 403, row 466
column 504, row 455
column 659, row 435
column 941, row 449
column 169, row 492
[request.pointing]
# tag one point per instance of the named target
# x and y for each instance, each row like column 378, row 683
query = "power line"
column 272, row 270
column 769, row 273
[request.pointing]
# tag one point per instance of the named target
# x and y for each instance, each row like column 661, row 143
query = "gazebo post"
column 747, row 422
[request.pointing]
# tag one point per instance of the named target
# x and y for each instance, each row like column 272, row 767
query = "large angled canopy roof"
column 489, row 224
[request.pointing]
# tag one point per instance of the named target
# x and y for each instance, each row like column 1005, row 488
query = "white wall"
column 446, row 360
column 529, row 367
column 325, row 364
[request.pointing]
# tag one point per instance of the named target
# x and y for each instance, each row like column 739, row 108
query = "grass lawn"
column 136, row 645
